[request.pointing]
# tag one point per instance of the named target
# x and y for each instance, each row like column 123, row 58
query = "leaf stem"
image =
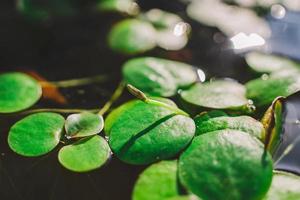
column 75, row 82
column 118, row 92
column 142, row 96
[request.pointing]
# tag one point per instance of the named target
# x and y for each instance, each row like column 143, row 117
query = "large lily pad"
column 36, row 134
column 157, row 182
column 285, row 186
column 132, row 36
column 246, row 124
column 18, row 92
column 219, row 94
column 264, row 91
column 146, row 133
column 158, row 77
column 226, row 164
column 83, row 124
column 85, row 155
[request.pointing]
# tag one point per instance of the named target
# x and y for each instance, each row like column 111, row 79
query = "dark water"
column 74, row 47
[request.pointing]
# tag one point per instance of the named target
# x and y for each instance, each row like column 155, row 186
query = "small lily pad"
column 18, row 91
column 226, row 164
column 242, row 123
column 125, row 6
column 146, row 133
column 37, row 134
column 264, row 91
column 83, row 124
column 85, row 155
column 132, row 36
column 219, row 94
column 157, row 182
column 264, row 63
column 285, row 186
column 158, row 77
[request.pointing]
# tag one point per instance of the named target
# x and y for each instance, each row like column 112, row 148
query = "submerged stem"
column 76, row 82
column 142, row 96
column 113, row 98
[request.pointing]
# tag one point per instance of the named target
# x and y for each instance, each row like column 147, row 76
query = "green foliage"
column 158, row 77
column 37, row 134
column 85, row 155
column 18, row 92
column 83, row 124
column 226, row 165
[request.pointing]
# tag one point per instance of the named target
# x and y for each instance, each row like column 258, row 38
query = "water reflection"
column 243, row 41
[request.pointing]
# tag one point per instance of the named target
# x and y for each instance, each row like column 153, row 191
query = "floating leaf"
column 157, row 182
column 85, row 155
column 264, row 91
column 285, row 186
column 36, row 134
column 264, row 63
column 146, row 133
column 125, row 6
column 205, row 124
column 83, row 124
column 226, row 164
column 185, row 197
column 219, row 94
column 158, row 77
column 18, row 92
column 132, row 36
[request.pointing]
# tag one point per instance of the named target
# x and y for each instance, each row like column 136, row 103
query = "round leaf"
column 285, row 186
column 36, row 134
column 132, row 36
column 83, row 124
column 220, row 94
column 146, row 133
column 157, row 182
column 158, row 77
column 264, row 91
column 18, row 92
column 226, row 164
column 243, row 123
column 85, row 155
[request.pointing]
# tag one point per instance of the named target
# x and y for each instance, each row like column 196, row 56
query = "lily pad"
column 226, row 164
column 37, row 134
column 185, row 197
column 18, row 91
column 264, row 91
column 219, row 94
column 83, row 124
column 146, row 133
column 85, row 155
column 264, row 63
column 285, row 186
column 158, row 77
column 242, row 123
column 125, row 6
column 132, row 36
column 157, row 182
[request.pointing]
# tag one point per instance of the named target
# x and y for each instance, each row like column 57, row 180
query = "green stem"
column 118, row 92
column 76, row 82
column 142, row 96
column 57, row 110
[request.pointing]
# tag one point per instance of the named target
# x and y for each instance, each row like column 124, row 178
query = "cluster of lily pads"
column 219, row 153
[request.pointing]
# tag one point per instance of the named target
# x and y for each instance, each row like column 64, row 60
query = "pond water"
column 75, row 47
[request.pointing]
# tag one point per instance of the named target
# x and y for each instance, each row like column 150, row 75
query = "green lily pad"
column 125, row 6
column 226, row 164
column 185, row 197
column 157, row 182
column 246, row 124
column 264, row 63
column 18, row 92
column 219, row 94
column 37, row 134
column 264, row 91
column 132, row 36
column 85, row 155
column 146, row 133
column 83, row 124
column 285, row 186
column 158, row 77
